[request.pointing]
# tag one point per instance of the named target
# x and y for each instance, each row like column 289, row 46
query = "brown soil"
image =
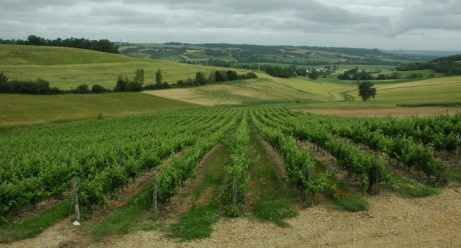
column 31, row 210
column 450, row 158
column 62, row 234
column 274, row 157
column 391, row 221
column 382, row 111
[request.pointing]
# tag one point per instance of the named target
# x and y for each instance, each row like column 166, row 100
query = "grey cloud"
column 114, row 11
column 244, row 13
column 31, row 5
column 430, row 14
column 209, row 20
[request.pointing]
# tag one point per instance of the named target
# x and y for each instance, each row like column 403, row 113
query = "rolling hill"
column 69, row 67
column 247, row 56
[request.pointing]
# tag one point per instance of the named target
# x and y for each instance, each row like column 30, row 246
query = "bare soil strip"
column 382, row 111
column 391, row 221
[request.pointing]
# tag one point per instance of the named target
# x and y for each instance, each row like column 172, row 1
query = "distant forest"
column 97, row 45
column 450, row 65
column 248, row 56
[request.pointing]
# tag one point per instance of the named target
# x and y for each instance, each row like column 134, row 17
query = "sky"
column 382, row 24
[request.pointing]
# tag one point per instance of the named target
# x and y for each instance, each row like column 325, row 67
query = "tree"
column 98, row 89
column 4, row 86
column 200, row 78
column 314, row 74
column 158, row 77
column 139, row 77
column 122, row 84
column 3, row 78
column 36, row 40
column 366, row 90
column 232, row 75
column 82, row 89
column 221, row 76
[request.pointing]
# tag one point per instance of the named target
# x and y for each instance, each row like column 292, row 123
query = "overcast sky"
column 385, row 24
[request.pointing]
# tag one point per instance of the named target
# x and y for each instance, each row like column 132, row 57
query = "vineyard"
column 411, row 157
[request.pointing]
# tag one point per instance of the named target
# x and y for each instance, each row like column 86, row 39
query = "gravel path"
column 391, row 221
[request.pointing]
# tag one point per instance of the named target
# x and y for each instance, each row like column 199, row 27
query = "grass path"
column 196, row 223
column 267, row 196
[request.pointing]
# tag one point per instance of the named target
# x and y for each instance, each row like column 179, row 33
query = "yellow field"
column 263, row 88
column 68, row 68
column 447, row 89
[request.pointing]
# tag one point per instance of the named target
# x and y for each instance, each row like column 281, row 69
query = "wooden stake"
column 155, row 199
column 75, row 196
column 457, row 150
column 310, row 198
column 234, row 190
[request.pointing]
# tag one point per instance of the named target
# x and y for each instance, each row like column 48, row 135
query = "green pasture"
column 405, row 74
column 23, row 110
column 445, row 89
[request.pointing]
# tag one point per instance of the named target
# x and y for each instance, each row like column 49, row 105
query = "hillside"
column 67, row 68
column 23, row 110
column 450, row 65
column 246, row 56
column 265, row 89
column 42, row 55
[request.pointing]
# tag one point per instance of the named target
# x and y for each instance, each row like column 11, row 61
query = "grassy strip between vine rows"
column 206, row 210
column 183, row 166
column 32, row 226
column 408, row 188
column 338, row 192
column 271, row 201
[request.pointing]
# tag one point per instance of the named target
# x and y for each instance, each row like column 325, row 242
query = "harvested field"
column 383, row 111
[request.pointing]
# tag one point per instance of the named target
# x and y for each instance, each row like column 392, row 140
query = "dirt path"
column 382, row 111
column 62, row 234
column 391, row 221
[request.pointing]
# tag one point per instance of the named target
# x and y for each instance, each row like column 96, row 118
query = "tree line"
column 123, row 84
column 102, row 45
column 137, row 83
column 42, row 87
column 293, row 71
column 449, row 65
column 355, row 74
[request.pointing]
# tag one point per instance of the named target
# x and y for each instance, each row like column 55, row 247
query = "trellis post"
column 75, row 197
column 155, row 199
